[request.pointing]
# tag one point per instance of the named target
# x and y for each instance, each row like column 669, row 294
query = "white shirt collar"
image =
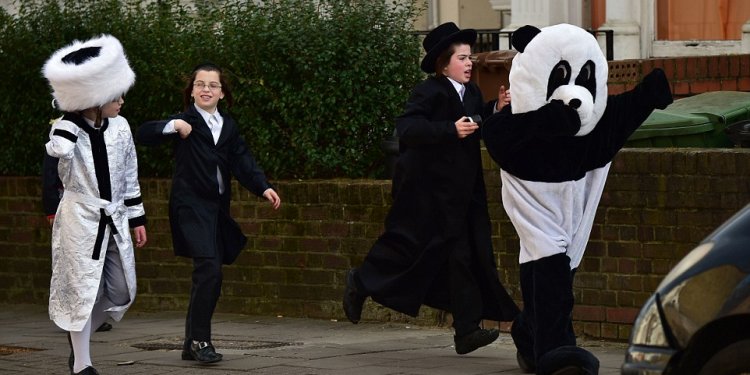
column 456, row 85
column 91, row 122
column 206, row 115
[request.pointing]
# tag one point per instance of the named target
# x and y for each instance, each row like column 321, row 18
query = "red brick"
column 691, row 68
column 592, row 329
column 622, row 315
column 589, row 313
column 609, row 331
column 680, row 69
column 701, row 67
column 729, row 84
column 626, row 266
column 647, row 66
column 744, row 61
column 680, row 88
column 669, row 68
column 723, row 66
column 714, row 69
column 734, row 65
column 699, row 87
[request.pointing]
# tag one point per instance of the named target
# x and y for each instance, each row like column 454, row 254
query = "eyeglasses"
column 213, row 86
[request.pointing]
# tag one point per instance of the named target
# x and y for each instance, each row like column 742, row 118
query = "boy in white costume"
column 93, row 266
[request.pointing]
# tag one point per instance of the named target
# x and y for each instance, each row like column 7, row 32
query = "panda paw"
column 656, row 84
column 564, row 118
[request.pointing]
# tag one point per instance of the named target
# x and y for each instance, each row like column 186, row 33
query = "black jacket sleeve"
column 51, row 185
column 150, row 133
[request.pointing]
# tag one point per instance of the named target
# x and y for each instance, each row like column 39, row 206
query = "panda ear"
column 521, row 37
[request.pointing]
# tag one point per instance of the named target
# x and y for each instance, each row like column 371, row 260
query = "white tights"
column 113, row 291
column 81, row 340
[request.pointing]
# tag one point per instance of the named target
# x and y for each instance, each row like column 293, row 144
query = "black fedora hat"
column 441, row 38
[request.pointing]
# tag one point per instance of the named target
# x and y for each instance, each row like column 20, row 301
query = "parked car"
column 698, row 320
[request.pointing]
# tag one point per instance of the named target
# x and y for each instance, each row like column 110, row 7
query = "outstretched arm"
column 151, row 133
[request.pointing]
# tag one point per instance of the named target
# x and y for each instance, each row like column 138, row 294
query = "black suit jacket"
column 197, row 212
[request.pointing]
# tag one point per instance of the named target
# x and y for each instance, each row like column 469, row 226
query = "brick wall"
column 688, row 75
column 658, row 203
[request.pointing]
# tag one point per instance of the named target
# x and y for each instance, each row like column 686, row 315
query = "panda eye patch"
column 559, row 76
column 587, row 78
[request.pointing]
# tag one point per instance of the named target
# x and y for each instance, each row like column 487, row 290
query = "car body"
column 698, row 319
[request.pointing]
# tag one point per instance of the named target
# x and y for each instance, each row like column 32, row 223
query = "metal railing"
column 489, row 40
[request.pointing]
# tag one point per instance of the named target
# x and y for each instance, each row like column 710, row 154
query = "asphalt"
column 149, row 343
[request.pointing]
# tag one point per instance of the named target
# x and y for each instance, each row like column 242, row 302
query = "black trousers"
column 204, row 294
column 466, row 299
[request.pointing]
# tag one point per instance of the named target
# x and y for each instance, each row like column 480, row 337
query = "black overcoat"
column 438, row 193
column 198, row 214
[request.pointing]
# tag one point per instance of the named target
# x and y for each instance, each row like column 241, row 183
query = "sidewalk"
column 150, row 343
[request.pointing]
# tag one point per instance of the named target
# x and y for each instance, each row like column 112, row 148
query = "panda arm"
column 627, row 111
column 554, row 119
column 415, row 127
column 506, row 133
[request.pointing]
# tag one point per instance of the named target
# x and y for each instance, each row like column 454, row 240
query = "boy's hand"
column 182, row 128
column 503, row 98
column 272, row 197
column 139, row 233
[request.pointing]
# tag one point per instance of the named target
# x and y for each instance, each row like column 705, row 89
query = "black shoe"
column 353, row 298
column 204, row 352
column 186, row 356
column 475, row 340
column 88, row 371
column 72, row 358
column 104, row 327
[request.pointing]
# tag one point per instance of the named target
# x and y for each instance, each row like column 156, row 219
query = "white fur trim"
column 92, row 83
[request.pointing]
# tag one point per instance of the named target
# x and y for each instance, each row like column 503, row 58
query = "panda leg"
column 555, row 347
column 522, row 330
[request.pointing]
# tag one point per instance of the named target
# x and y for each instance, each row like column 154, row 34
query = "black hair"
column 208, row 67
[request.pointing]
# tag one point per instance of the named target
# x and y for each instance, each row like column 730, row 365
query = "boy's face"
column 207, row 90
column 459, row 67
column 112, row 109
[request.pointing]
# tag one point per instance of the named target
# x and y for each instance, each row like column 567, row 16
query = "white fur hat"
column 88, row 74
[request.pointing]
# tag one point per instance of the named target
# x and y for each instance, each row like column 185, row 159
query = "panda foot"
column 568, row 360
column 526, row 364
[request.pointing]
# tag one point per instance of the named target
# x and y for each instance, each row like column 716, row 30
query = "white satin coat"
column 76, row 274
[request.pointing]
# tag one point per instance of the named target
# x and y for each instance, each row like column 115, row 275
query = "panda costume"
column 554, row 144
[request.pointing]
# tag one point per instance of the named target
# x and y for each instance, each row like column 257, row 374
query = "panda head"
column 561, row 62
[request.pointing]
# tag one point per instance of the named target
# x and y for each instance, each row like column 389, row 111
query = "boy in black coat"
column 436, row 249
column 208, row 151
